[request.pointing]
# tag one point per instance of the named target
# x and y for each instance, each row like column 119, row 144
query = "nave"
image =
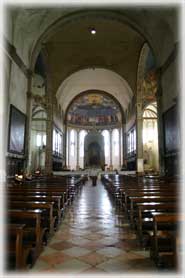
column 89, row 92
column 94, row 237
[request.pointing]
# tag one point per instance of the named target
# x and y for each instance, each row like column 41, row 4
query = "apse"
column 94, row 114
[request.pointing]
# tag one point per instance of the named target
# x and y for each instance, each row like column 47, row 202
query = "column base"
column 140, row 167
column 140, row 174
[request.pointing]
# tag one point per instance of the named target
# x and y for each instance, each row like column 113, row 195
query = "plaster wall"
column 29, row 25
column 18, row 88
column 9, row 19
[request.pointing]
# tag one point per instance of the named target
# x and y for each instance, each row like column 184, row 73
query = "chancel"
column 92, row 140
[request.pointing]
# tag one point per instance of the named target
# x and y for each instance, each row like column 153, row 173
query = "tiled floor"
column 94, row 238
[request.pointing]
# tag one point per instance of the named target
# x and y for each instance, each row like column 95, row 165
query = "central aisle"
column 93, row 238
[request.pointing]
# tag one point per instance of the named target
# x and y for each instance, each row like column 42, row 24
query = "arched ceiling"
column 94, row 79
column 115, row 46
column 108, row 60
column 26, row 25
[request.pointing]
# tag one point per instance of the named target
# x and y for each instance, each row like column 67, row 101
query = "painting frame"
column 17, row 131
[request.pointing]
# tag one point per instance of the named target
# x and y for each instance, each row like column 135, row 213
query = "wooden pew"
column 41, row 198
column 135, row 200
column 164, row 236
column 144, row 213
column 40, row 191
column 49, row 218
column 142, row 193
column 33, row 233
column 16, row 252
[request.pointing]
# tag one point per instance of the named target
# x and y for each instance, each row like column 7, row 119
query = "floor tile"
column 79, row 240
column 108, row 241
column 94, row 271
column 115, row 266
column 72, row 266
column 39, row 265
column 47, row 251
column 76, row 251
column 61, row 245
column 93, row 258
column 110, row 251
column 93, row 236
column 55, row 258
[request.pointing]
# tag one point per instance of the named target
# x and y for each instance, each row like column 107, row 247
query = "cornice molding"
column 12, row 53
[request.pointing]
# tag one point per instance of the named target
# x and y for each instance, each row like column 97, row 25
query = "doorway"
column 94, row 155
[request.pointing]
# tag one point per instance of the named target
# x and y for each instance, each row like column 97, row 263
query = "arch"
column 96, row 79
column 132, row 22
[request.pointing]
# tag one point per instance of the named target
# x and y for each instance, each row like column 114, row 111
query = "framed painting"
column 17, row 129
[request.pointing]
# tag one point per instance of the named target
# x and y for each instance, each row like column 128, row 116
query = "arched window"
column 81, row 142
column 41, row 139
column 115, row 142
column 106, row 136
column 72, row 142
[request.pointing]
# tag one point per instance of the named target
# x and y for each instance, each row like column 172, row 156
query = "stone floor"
column 94, row 238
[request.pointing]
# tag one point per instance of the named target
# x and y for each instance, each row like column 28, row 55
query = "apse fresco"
column 94, row 109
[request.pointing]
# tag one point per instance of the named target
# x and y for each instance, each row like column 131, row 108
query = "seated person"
column 38, row 172
column 19, row 177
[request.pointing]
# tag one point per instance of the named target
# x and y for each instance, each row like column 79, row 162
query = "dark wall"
column 131, row 165
column 171, row 140
column 57, row 164
column 14, row 166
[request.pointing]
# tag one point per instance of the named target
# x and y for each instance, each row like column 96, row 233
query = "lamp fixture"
column 93, row 31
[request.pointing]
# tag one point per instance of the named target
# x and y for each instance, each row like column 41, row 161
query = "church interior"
column 92, row 140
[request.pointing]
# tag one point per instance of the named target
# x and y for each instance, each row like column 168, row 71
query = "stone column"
column 120, row 161
column 65, row 146
column 139, row 127
column 124, row 145
column 78, row 148
column 28, row 125
column 111, row 166
column 160, row 127
column 68, row 146
column 49, row 134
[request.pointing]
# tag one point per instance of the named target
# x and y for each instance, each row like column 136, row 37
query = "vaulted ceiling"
column 115, row 46
column 63, row 36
